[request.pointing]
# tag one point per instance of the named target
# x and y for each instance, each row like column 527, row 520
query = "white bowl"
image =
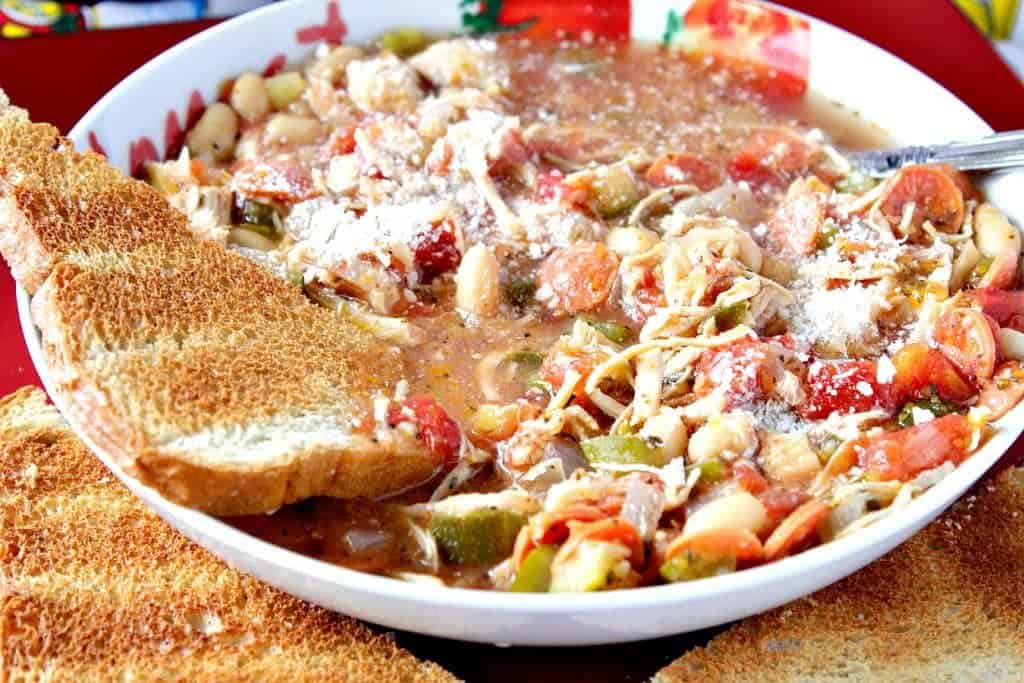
column 844, row 68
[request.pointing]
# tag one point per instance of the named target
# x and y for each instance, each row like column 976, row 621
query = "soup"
column 653, row 324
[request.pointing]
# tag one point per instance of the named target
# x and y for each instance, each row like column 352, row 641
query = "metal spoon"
column 1002, row 150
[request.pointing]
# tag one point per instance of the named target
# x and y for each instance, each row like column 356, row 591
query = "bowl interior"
column 911, row 107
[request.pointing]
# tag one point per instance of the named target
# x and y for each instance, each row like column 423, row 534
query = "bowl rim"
column 920, row 511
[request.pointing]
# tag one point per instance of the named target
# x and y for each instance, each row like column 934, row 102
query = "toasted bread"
column 95, row 587
column 948, row 605
column 197, row 370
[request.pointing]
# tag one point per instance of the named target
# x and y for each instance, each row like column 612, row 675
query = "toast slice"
column 95, row 587
column 197, row 370
column 947, row 605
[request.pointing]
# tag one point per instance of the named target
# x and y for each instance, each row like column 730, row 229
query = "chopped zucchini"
column 590, row 567
column 616, row 332
column 687, row 566
column 255, row 213
column 535, row 574
column 728, row 317
column 622, row 449
column 252, row 237
column 520, row 292
column 405, row 42
column 479, row 537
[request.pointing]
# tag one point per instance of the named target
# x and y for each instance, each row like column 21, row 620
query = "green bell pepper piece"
column 622, row 449
column 479, row 537
column 535, row 574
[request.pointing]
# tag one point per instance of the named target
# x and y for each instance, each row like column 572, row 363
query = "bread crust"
column 21, row 247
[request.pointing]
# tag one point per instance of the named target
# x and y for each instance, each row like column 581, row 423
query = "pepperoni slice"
column 935, row 196
column 578, row 278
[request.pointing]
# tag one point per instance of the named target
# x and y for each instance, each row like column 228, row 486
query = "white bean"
column 1000, row 241
column 738, row 510
column 249, row 97
column 284, row 89
column 288, row 129
column 331, row 67
column 1011, row 343
column 993, row 234
column 213, row 136
column 666, row 427
column 631, row 241
column 724, row 436
column 477, row 286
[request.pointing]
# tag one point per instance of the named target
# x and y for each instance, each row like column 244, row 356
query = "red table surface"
column 58, row 78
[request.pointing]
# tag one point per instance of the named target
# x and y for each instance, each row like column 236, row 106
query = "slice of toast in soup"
column 195, row 369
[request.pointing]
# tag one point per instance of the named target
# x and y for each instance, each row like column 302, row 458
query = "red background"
column 58, row 78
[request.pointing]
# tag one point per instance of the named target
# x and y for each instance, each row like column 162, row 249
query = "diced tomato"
column 612, row 530
column 966, row 338
column 683, row 169
column 552, row 527
column 748, row 477
column 771, row 157
column 438, row 432
column 555, row 367
column 550, row 186
column 793, row 228
column 283, row 181
column 512, row 151
column 779, row 503
column 1007, row 308
column 647, row 296
column 905, row 453
column 1004, row 391
column 342, row 141
column 745, row 369
column 796, row 530
column 844, row 386
column 935, row 195
column 435, row 250
column 578, row 278
column 920, row 368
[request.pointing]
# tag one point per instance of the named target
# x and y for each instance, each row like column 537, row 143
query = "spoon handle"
column 1002, row 150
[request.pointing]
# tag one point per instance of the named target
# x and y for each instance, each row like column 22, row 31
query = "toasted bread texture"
column 197, row 370
column 95, row 587
column 946, row 606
